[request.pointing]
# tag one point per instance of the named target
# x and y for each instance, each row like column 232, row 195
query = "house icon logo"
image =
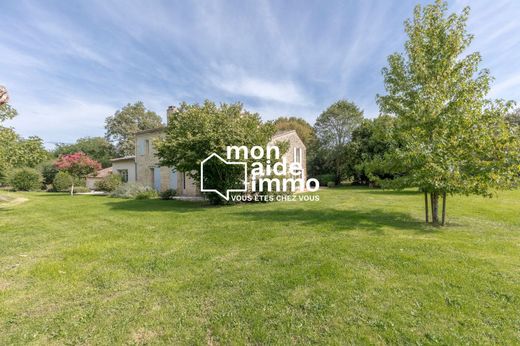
column 224, row 194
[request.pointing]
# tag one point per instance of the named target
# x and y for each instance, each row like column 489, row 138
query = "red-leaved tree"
column 78, row 165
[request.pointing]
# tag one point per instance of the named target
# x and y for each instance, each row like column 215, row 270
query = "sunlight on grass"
column 358, row 266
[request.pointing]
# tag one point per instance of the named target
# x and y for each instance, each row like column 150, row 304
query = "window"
column 124, row 175
column 147, row 146
column 298, row 155
column 140, row 147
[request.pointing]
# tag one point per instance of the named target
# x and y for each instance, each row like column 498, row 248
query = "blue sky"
column 69, row 64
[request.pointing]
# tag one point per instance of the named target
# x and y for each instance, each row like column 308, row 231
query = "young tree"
column 195, row 131
column 98, row 148
column 451, row 139
column 334, row 129
column 122, row 126
column 78, row 165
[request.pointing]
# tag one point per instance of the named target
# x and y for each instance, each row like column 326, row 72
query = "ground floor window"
column 124, row 175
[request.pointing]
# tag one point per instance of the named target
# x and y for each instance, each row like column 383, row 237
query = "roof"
column 130, row 157
column 283, row 133
column 102, row 173
column 157, row 129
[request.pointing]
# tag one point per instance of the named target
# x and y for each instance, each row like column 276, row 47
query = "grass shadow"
column 340, row 220
column 155, row 205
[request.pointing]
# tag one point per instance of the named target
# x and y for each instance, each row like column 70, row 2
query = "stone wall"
column 295, row 143
column 146, row 161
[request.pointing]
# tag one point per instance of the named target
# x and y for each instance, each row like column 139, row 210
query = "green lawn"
column 359, row 266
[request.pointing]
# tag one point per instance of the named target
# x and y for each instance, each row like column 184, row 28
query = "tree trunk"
column 435, row 207
column 443, row 208
column 72, row 189
column 426, row 205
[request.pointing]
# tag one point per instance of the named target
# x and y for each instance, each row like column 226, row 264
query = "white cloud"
column 278, row 91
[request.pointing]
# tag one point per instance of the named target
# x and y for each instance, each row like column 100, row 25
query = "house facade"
column 144, row 167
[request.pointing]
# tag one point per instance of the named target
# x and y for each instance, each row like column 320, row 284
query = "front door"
column 157, row 178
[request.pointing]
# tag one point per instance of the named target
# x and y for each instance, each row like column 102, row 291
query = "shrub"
column 149, row 194
column 62, row 181
column 81, row 189
column 331, row 184
column 168, row 194
column 132, row 190
column 325, row 178
column 49, row 172
column 109, row 183
column 25, row 179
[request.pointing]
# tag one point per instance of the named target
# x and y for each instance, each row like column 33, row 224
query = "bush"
column 79, row 189
column 149, row 194
column 132, row 190
column 62, row 182
column 109, row 183
column 331, row 184
column 168, row 194
column 25, row 179
column 325, row 178
column 49, row 172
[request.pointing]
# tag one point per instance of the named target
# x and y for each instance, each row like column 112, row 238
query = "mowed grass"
column 359, row 266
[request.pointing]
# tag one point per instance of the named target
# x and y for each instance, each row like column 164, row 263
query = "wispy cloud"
column 70, row 64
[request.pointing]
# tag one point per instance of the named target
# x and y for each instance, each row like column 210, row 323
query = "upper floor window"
column 298, row 155
column 147, row 146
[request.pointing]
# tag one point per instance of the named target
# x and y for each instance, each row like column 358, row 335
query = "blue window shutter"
column 140, row 147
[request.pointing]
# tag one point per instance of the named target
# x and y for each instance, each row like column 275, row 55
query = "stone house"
column 144, row 167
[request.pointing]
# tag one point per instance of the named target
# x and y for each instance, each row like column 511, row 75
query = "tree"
column 194, row 132
column 449, row 138
column 78, row 165
column 6, row 111
column 334, row 129
column 17, row 152
column 302, row 128
column 122, row 126
column 98, row 148
column 370, row 141
column 513, row 118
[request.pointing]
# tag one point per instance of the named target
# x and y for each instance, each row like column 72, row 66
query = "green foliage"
column 334, row 129
column 168, row 194
column 108, row 183
column 324, row 179
column 513, row 119
column 98, row 148
column 7, row 112
column 370, row 142
column 196, row 131
column 304, row 130
column 48, row 171
column 62, row 182
column 122, row 126
column 80, row 189
column 133, row 190
column 16, row 152
column 451, row 139
column 25, row 179
column 148, row 194
column 331, row 184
